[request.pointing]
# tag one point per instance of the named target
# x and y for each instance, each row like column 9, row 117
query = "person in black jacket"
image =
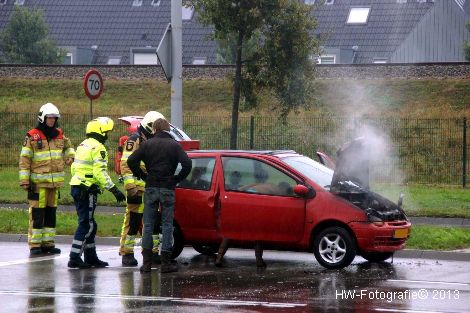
column 161, row 156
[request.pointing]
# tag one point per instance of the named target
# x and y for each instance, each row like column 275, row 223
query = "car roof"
column 253, row 152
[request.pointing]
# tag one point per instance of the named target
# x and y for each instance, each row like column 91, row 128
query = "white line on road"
column 45, row 258
column 150, row 298
column 411, row 311
column 427, row 282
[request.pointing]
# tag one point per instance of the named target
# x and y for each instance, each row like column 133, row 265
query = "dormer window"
column 19, row 2
column 329, row 2
column 199, row 60
column 358, row 16
column 187, row 13
column 137, row 3
column 155, row 3
column 3, row 2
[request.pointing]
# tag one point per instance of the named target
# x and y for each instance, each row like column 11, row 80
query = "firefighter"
column 89, row 177
column 45, row 152
column 135, row 190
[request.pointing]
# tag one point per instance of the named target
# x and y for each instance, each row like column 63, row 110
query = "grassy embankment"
column 379, row 98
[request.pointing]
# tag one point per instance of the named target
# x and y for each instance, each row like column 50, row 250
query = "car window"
column 253, row 176
column 315, row 171
column 200, row 176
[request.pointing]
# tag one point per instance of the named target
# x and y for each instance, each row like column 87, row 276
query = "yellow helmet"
column 100, row 126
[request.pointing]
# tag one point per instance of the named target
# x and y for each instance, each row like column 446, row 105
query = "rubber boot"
column 51, row 250
column 92, row 259
column 156, row 258
column 129, row 260
column 259, row 255
column 78, row 263
column 220, row 254
column 35, row 252
column 147, row 261
column 167, row 266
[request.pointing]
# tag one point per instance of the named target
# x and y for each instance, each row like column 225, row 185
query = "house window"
column 329, row 2
column 327, row 59
column 3, row 2
column 199, row 60
column 137, row 3
column 68, row 58
column 144, row 56
column 187, row 13
column 19, row 2
column 380, row 60
column 114, row 60
column 358, row 16
column 309, row 2
column 155, row 3
column 401, row 1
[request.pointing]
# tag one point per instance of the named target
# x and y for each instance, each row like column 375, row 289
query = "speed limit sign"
column 93, row 84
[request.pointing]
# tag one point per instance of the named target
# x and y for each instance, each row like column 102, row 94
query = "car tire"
column 178, row 242
column 206, row 249
column 376, row 257
column 334, row 247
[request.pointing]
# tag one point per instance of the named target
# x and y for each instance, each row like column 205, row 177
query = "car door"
column 195, row 200
column 257, row 202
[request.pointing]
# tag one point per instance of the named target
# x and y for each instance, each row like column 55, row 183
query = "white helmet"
column 48, row 110
column 149, row 119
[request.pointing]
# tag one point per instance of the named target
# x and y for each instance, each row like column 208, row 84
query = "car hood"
column 352, row 164
column 351, row 182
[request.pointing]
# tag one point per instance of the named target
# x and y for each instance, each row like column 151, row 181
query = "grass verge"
column 422, row 236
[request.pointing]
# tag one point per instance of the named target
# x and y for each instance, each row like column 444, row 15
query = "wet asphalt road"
column 292, row 282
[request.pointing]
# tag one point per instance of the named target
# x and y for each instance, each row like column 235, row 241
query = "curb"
column 406, row 253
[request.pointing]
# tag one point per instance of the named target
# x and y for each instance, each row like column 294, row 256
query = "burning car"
column 289, row 202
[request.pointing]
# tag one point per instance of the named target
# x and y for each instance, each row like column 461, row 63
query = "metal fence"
column 404, row 150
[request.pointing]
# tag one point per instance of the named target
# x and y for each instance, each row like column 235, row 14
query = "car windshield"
column 178, row 134
column 314, row 171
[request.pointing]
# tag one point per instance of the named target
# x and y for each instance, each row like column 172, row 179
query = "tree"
column 24, row 40
column 272, row 44
column 466, row 46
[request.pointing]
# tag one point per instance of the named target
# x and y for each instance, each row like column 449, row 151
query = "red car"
column 289, row 202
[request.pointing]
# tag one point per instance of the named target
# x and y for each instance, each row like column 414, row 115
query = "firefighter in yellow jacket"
column 45, row 152
column 135, row 191
column 89, row 177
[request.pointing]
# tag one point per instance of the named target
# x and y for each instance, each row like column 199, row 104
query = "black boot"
column 78, row 263
column 156, row 258
column 92, row 259
column 51, row 250
column 147, row 261
column 129, row 260
column 259, row 255
column 35, row 252
column 167, row 266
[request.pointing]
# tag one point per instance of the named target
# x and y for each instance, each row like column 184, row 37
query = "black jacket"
column 161, row 155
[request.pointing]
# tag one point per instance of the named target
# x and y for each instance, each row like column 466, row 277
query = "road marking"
column 427, row 282
column 151, row 298
column 410, row 311
column 45, row 258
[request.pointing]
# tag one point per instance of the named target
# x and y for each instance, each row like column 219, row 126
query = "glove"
column 25, row 187
column 118, row 194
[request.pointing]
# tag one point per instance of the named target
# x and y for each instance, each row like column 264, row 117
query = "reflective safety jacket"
column 130, row 181
column 91, row 165
column 42, row 161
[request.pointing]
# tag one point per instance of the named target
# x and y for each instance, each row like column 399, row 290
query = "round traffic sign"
column 93, row 84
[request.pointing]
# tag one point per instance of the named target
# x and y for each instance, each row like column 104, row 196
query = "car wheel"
column 376, row 256
column 334, row 247
column 206, row 249
column 178, row 242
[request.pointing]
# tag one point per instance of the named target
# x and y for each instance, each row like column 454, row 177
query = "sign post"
column 93, row 86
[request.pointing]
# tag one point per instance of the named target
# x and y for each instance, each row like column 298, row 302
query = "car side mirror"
column 301, row 190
